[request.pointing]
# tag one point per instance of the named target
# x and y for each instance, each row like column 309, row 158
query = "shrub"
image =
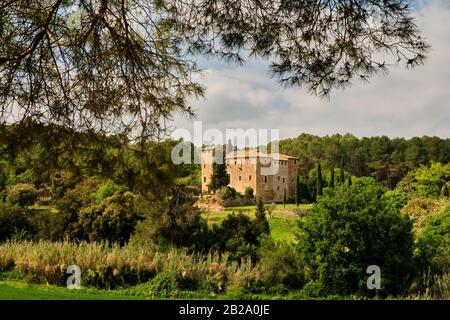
column 350, row 229
column 420, row 210
column 280, row 264
column 227, row 193
column 426, row 181
column 60, row 182
column 12, row 222
column 239, row 235
column 396, row 199
column 165, row 284
column 69, row 207
column 105, row 190
column 433, row 244
column 249, row 192
column 22, row 194
column 175, row 221
column 46, row 225
column 113, row 220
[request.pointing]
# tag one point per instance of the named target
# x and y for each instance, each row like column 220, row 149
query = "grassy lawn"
column 282, row 225
column 10, row 290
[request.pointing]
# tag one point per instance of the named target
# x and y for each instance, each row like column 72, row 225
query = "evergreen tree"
column 342, row 172
column 303, row 192
column 297, row 191
column 260, row 210
column 349, row 180
column 284, row 198
column 319, row 181
column 219, row 177
column 332, row 177
column 260, row 224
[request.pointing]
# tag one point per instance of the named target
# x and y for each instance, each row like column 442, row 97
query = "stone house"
column 269, row 175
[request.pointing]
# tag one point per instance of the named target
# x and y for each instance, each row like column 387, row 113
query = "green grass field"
column 282, row 225
column 10, row 290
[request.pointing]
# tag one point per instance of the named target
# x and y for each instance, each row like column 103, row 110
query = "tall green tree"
column 319, row 180
column 342, row 172
column 344, row 230
column 332, row 177
column 219, row 177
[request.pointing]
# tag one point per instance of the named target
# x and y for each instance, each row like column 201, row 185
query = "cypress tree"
column 349, row 180
column 319, row 181
column 332, row 177
column 284, row 198
column 260, row 210
column 297, row 191
column 342, row 173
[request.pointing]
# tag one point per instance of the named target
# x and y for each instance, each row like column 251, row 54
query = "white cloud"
column 403, row 103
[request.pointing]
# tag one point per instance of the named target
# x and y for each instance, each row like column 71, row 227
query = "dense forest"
column 387, row 160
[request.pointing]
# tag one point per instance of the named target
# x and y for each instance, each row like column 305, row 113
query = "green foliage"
column 421, row 210
column 331, row 184
column 105, row 190
column 3, row 178
column 69, row 207
column 445, row 192
column 319, row 181
column 260, row 210
column 165, row 284
column 114, row 219
column 280, row 264
column 175, row 221
column 433, row 244
column 239, row 235
column 349, row 229
column 342, row 173
column 22, row 194
column 386, row 160
column 228, row 193
column 395, row 199
column 219, row 177
column 60, row 182
column 249, row 192
column 426, row 181
column 302, row 191
column 12, row 222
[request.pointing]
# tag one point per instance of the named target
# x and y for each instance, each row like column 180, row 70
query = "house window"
column 265, row 179
column 204, row 179
column 278, row 178
column 249, row 178
column 240, row 178
column 278, row 188
column 283, row 180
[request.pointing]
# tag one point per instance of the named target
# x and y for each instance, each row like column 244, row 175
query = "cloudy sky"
column 404, row 103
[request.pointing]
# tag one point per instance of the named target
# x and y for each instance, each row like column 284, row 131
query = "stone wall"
column 247, row 171
column 242, row 173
